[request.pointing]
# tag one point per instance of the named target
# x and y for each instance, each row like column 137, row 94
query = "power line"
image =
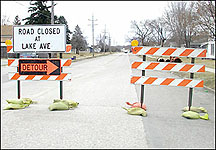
column 93, row 32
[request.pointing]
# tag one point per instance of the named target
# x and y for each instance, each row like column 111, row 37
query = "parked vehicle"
column 28, row 55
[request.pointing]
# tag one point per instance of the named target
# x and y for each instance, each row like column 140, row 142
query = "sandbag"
column 14, row 106
column 136, row 111
column 137, row 104
column 205, row 117
column 27, row 101
column 70, row 103
column 191, row 115
column 14, row 101
column 58, row 106
column 195, row 109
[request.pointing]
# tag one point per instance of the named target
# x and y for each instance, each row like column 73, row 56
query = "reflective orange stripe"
column 152, row 66
column 10, row 61
column 169, row 67
column 136, row 64
column 30, row 77
column 186, row 67
column 150, row 80
column 9, row 48
column 62, row 76
column 167, row 81
column 200, row 84
column 134, row 79
column 169, row 51
column 16, row 76
column 67, row 63
column 68, row 48
column 135, row 50
column 203, row 53
column 186, row 52
column 152, row 51
column 201, row 69
column 45, row 77
column 184, row 82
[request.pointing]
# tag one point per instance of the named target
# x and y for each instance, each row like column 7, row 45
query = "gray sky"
column 116, row 15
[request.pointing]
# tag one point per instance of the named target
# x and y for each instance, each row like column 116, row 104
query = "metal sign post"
column 142, row 86
column 61, row 87
column 191, row 89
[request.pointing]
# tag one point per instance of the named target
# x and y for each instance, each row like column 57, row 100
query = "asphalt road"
column 102, row 86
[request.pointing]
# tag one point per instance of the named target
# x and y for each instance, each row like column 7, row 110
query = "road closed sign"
column 39, row 67
column 39, row 38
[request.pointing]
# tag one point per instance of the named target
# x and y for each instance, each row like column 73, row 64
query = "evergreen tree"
column 78, row 41
column 62, row 20
column 17, row 20
column 40, row 13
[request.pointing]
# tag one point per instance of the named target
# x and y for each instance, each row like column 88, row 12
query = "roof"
column 6, row 32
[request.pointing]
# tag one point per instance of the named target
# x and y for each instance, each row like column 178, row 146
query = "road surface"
column 102, row 86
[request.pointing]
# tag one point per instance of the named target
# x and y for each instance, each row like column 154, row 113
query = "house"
column 210, row 46
column 6, row 34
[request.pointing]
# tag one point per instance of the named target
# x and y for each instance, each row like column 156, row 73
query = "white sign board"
column 40, row 38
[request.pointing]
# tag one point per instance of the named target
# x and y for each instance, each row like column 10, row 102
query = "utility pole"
column 93, row 33
column 104, row 38
column 109, row 43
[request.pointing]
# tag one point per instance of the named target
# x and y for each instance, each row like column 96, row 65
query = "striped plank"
column 15, row 62
column 167, row 51
column 144, row 80
column 62, row 77
column 167, row 66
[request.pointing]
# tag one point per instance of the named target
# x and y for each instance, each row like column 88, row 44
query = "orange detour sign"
column 39, row 67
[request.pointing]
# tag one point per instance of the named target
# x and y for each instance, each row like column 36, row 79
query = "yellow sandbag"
column 136, row 111
column 27, row 100
column 14, row 106
column 195, row 109
column 70, row 103
column 191, row 115
column 205, row 117
column 14, row 101
column 58, row 106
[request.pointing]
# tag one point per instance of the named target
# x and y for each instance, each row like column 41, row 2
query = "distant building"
column 6, row 34
column 210, row 46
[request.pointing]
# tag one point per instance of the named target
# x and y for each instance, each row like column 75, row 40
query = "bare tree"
column 142, row 30
column 206, row 13
column 159, row 33
column 5, row 20
column 181, row 20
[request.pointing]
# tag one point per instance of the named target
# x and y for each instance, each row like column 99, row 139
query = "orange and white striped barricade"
column 167, row 66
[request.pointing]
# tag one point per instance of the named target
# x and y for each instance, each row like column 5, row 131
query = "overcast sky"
column 116, row 15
